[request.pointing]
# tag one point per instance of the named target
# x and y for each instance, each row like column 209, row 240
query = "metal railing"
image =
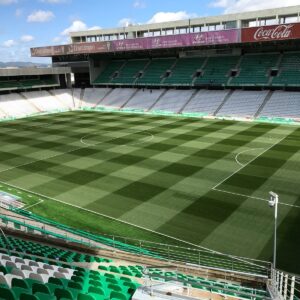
column 154, row 281
column 196, row 257
column 284, row 286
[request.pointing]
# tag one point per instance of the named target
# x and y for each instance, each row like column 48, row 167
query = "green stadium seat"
column 155, row 71
column 40, row 288
column 258, row 64
column 21, row 283
column 42, row 296
column 63, row 294
column 117, row 296
column 28, row 297
column 128, row 74
column 106, row 75
column 7, row 294
column 289, row 71
column 217, row 70
column 97, row 290
column 85, row 297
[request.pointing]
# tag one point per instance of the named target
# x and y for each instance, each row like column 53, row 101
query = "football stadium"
column 155, row 161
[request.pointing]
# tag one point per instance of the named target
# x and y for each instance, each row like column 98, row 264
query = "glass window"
column 271, row 22
column 291, row 19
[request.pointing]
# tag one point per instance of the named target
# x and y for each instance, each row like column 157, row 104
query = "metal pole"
column 292, row 288
column 275, row 232
column 274, row 203
column 286, row 277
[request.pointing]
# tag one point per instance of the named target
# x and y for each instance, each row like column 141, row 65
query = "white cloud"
column 125, row 22
column 139, row 4
column 94, row 28
column 9, row 43
column 78, row 25
column 40, row 16
column 233, row 6
column 57, row 39
column 27, row 38
column 18, row 12
column 21, row 53
column 7, row 2
column 170, row 16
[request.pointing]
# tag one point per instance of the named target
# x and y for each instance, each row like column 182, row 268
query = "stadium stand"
column 28, row 277
column 130, row 72
column 77, row 97
column 44, row 101
column 258, row 64
column 218, row 286
column 144, row 99
column 27, row 83
column 217, row 70
column 184, row 71
column 117, row 97
column 14, row 105
column 173, row 101
column 206, row 101
column 205, row 71
column 243, row 103
column 109, row 71
column 33, row 262
column 64, row 96
column 155, row 72
column 289, row 70
column 93, row 96
column 282, row 104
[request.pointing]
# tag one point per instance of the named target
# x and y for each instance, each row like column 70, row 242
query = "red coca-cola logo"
column 277, row 33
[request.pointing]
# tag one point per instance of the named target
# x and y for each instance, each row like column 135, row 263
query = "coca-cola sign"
column 271, row 33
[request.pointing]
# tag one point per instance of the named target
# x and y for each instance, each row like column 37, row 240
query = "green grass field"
column 205, row 182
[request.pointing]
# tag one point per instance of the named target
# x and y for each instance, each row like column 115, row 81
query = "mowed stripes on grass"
column 160, row 172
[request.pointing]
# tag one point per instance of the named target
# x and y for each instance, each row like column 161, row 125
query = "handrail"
column 175, row 280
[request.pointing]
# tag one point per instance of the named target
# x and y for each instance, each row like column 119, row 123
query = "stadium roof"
column 5, row 72
column 237, row 20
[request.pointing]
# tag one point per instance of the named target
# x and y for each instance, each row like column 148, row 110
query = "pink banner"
column 160, row 42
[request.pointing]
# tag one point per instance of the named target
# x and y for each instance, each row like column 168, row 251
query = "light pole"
column 273, row 202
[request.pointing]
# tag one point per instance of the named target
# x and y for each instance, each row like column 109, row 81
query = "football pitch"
column 170, row 179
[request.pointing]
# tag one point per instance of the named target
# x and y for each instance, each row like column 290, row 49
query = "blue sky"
column 30, row 23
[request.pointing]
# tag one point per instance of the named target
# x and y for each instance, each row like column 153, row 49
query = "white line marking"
column 215, row 188
column 249, row 162
column 253, row 197
column 134, row 225
column 30, row 206
column 242, row 152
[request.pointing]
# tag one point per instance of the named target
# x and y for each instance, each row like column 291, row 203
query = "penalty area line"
column 249, row 162
column 215, row 188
